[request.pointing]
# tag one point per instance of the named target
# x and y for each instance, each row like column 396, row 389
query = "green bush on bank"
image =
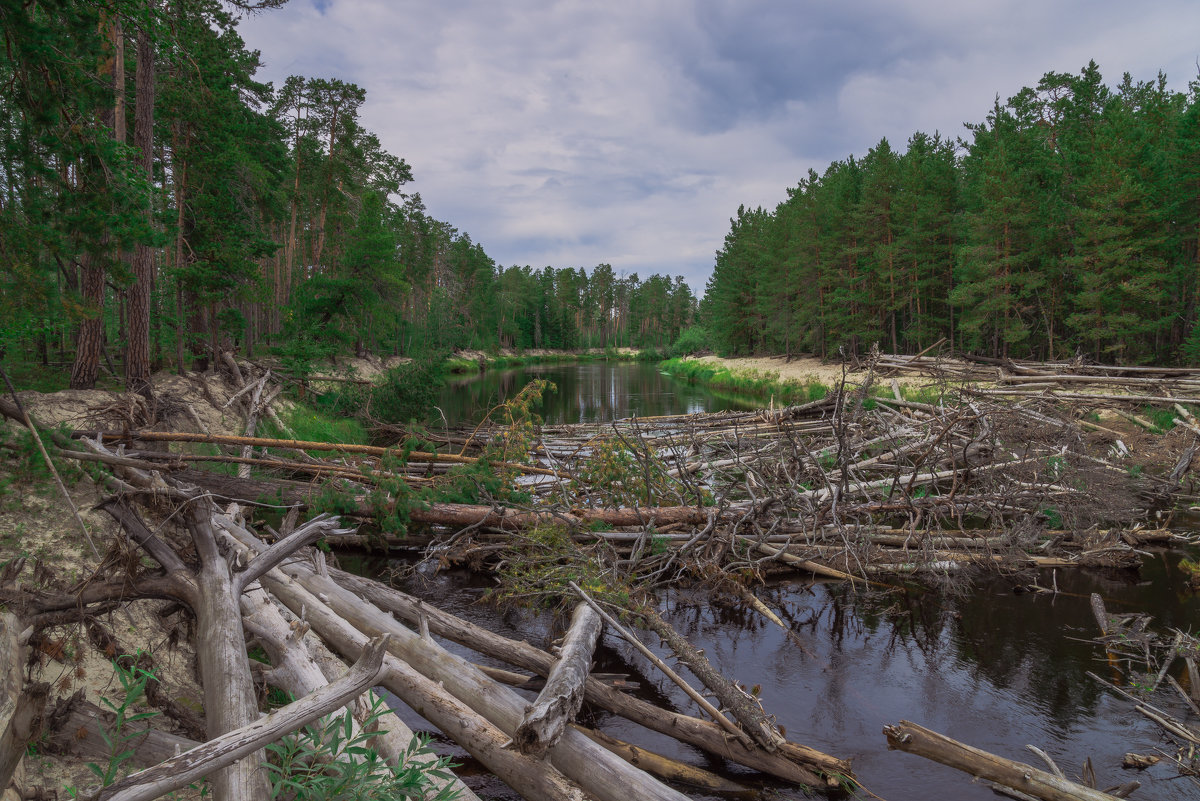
column 751, row 384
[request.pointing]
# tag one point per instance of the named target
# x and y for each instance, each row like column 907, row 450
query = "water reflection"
column 589, row 392
column 994, row 668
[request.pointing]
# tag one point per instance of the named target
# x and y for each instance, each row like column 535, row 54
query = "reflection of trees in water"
column 1030, row 645
column 590, row 392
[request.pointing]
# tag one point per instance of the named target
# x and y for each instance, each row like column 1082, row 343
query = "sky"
column 627, row 132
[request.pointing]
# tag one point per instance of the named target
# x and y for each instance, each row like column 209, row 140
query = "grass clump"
column 748, row 383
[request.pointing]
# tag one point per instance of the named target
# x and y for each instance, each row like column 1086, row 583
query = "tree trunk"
column 137, row 348
column 91, row 330
column 600, row 773
column 914, row 739
column 787, row 763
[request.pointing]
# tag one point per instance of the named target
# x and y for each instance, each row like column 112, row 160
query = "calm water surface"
column 590, row 392
column 994, row 667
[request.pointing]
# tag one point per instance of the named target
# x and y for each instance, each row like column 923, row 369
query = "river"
column 994, row 667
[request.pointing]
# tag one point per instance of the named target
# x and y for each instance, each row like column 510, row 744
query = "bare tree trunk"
column 914, row 739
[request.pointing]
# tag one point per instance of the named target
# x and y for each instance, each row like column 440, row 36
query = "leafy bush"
column 408, row 391
column 692, row 340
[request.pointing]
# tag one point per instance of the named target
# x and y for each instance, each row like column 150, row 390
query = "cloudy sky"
column 628, row 131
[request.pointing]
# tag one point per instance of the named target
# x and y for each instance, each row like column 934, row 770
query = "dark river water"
column 994, row 667
column 589, row 392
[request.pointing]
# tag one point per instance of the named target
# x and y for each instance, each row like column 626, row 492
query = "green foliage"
column 745, row 383
column 628, row 476
column 1058, row 228
column 538, row 566
column 318, row 425
column 408, row 391
column 333, row 763
column 692, row 340
column 119, row 737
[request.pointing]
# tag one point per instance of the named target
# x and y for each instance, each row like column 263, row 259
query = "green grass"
column 311, row 425
column 458, row 364
column 745, row 383
column 1163, row 418
column 766, row 386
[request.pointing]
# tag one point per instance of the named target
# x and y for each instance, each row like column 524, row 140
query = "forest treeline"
column 1067, row 223
column 158, row 202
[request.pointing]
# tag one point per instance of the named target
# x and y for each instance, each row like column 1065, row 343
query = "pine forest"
column 159, row 204
column 1064, row 224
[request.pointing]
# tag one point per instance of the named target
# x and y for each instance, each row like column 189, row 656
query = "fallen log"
column 793, row 762
column 299, row 667
column 306, row 445
column 663, row 766
column 914, row 739
column 534, row 779
column 229, row 698
column 560, row 700
column 234, row 745
column 598, row 772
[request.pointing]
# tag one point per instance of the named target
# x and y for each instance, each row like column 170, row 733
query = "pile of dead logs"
column 308, row 617
column 848, row 486
column 1075, row 381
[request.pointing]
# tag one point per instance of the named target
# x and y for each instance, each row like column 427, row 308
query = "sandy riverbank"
column 800, row 369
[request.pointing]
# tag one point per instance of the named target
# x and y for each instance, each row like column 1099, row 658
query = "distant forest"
column 157, row 202
column 1067, row 224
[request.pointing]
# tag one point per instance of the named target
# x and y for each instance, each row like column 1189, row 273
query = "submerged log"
column 914, row 739
column 663, row 766
column 560, row 700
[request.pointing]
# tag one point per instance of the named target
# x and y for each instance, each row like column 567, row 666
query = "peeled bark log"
column 914, row 739
column 598, row 772
column 664, row 767
column 242, row 742
column 560, row 700
column 301, row 665
column 229, row 700
column 793, row 762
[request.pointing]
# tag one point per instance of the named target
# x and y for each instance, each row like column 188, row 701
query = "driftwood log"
column 534, row 779
column 560, row 700
column 599, row 773
column 739, row 703
column 301, row 665
column 914, row 739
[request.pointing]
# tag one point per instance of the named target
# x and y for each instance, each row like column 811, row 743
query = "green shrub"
column 692, row 340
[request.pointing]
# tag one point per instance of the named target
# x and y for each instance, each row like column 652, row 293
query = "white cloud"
column 573, row 133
